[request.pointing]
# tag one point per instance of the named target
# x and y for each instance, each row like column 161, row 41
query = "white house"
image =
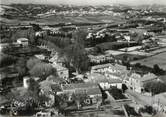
column 104, row 82
column 23, row 41
column 109, row 70
column 136, row 81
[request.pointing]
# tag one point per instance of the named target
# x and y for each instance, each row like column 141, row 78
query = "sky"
column 87, row 2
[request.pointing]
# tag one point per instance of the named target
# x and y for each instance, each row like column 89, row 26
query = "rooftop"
column 48, row 86
column 93, row 91
column 59, row 67
column 79, row 86
column 116, row 66
column 101, row 66
column 22, row 39
column 149, row 76
column 98, row 78
column 146, row 77
column 113, row 52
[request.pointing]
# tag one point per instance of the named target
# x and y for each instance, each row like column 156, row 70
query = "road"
column 139, row 99
column 147, row 100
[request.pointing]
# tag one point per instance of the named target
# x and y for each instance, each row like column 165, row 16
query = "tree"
column 124, row 88
column 157, row 70
column 34, row 87
column 126, row 62
column 43, row 70
column 147, row 109
column 139, row 37
column 31, row 36
column 155, row 87
column 36, row 27
column 6, row 60
column 116, row 93
column 32, row 62
column 61, row 102
column 21, row 67
column 79, row 98
column 26, row 100
column 76, row 56
column 79, row 36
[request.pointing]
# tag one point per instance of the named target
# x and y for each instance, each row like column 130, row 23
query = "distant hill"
column 25, row 13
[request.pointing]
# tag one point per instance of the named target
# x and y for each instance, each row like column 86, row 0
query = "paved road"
column 147, row 100
column 140, row 99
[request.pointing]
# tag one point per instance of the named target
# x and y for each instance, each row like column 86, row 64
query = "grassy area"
column 130, row 56
column 65, row 19
column 156, row 59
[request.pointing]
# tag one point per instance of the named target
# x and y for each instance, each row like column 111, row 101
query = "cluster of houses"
column 100, row 77
column 106, row 72
column 119, row 35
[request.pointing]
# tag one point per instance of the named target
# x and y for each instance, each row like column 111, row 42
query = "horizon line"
column 84, row 4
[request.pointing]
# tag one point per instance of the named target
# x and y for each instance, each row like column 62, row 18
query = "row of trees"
column 60, row 42
column 93, row 40
column 26, row 101
column 145, row 69
column 75, row 56
column 10, row 35
column 6, row 60
column 155, row 87
column 71, row 50
column 34, row 67
column 40, row 69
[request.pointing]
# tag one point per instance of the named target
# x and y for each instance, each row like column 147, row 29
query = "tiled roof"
column 23, row 39
column 116, row 66
column 111, row 81
column 79, row 86
column 146, row 77
column 93, row 91
column 58, row 67
column 101, row 66
column 56, row 87
column 55, row 79
column 98, row 78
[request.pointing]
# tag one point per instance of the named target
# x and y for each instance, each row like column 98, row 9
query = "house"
column 8, row 75
column 49, row 89
column 100, row 68
column 104, row 82
column 62, row 72
column 92, row 91
column 111, row 82
column 40, row 33
column 115, row 71
column 136, row 81
column 100, row 58
column 41, row 56
column 159, row 102
column 56, row 59
column 23, row 41
column 26, row 81
column 113, row 52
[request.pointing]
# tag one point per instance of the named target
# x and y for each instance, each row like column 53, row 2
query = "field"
column 159, row 59
column 130, row 56
column 64, row 19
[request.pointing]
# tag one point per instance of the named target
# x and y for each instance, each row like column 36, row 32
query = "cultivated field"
column 50, row 20
column 159, row 59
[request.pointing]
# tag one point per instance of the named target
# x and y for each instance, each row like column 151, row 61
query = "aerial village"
column 71, row 70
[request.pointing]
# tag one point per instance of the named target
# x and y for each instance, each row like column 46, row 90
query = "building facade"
column 136, row 82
